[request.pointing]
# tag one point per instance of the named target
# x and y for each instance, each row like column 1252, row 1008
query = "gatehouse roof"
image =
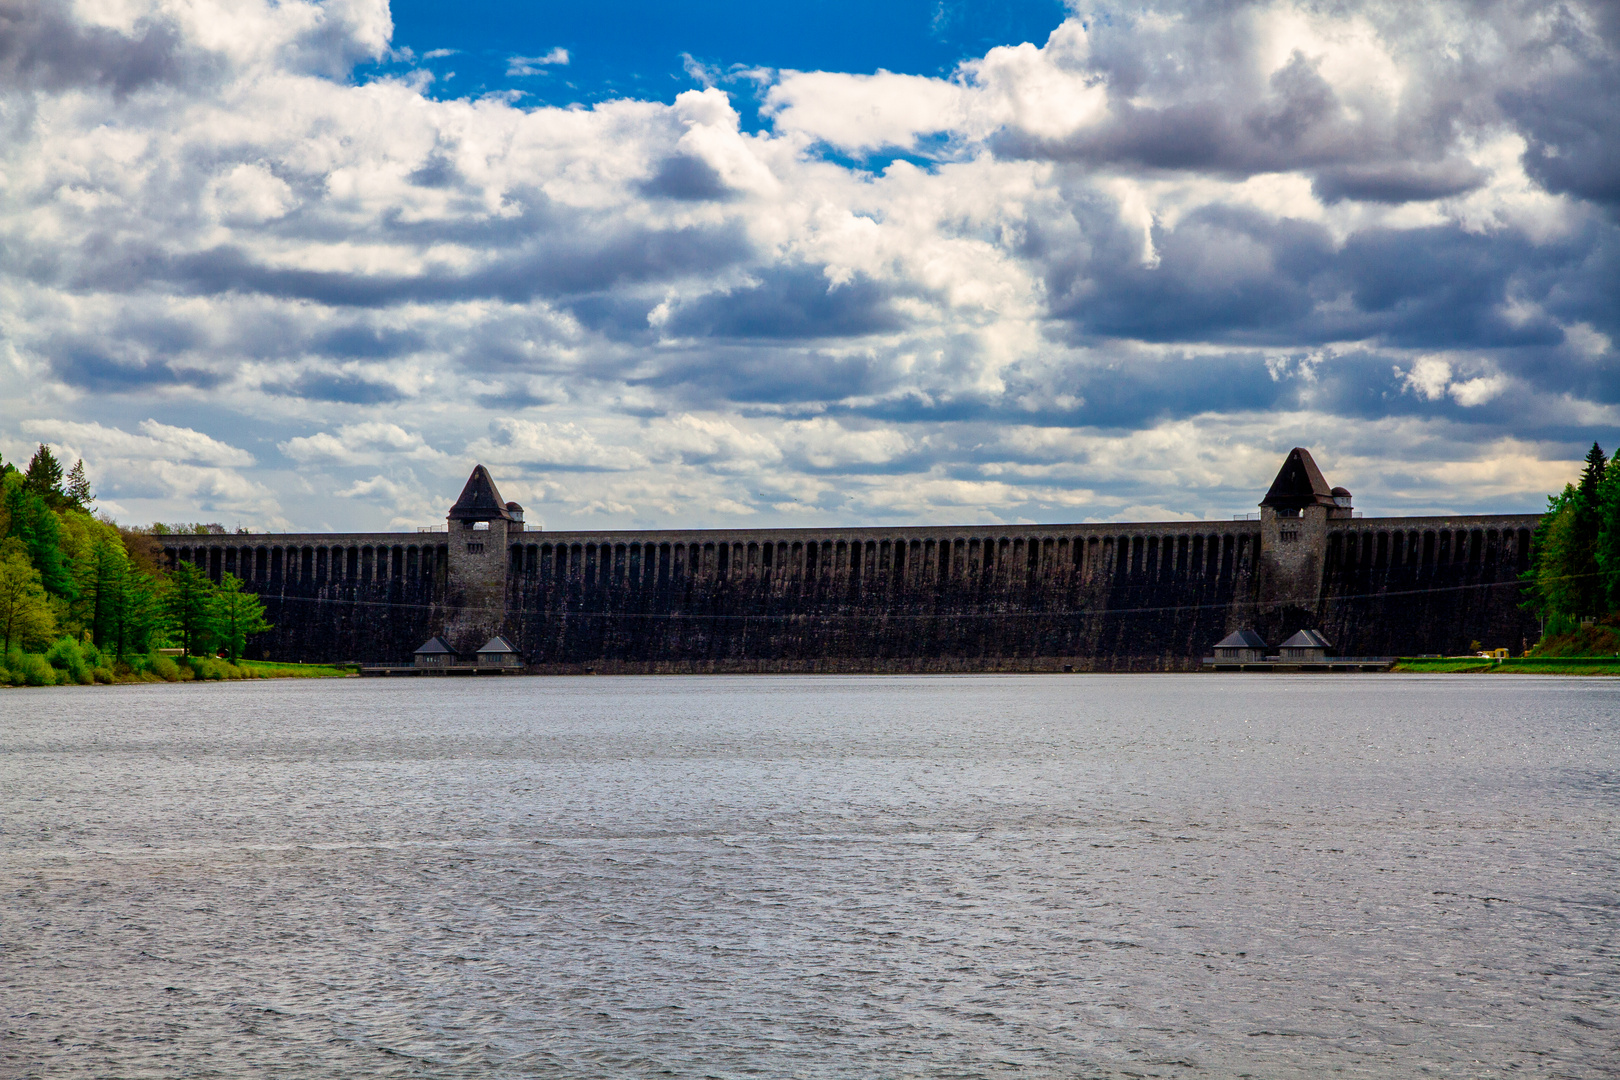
column 1307, row 639
column 1299, row 483
column 479, row 501
column 1241, row 639
column 497, row 644
column 433, row 646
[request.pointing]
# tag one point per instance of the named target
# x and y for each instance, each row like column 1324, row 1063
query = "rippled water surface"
column 1275, row 876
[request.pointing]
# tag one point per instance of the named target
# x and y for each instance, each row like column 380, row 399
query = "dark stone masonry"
column 1148, row 597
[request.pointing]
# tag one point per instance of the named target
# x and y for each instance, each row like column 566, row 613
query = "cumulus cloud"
column 372, row 442
column 168, row 471
column 1072, row 278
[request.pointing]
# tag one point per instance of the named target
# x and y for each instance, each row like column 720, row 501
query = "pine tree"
column 1586, row 590
column 44, row 476
column 188, row 603
column 30, row 520
column 237, row 615
column 78, row 491
column 1608, row 541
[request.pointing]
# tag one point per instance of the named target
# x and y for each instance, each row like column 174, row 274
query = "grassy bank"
column 73, row 663
column 269, row 669
column 1522, row 665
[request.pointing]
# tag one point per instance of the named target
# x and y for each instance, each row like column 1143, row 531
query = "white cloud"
column 170, row 472
column 1428, row 377
column 536, row 65
column 1128, row 245
column 371, row 442
column 539, row 445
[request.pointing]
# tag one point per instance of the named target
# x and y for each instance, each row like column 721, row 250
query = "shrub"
column 206, row 667
column 103, row 674
column 67, row 656
column 34, row 671
column 164, row 668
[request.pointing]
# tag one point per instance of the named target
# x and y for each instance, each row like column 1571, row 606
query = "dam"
column 1154, row 596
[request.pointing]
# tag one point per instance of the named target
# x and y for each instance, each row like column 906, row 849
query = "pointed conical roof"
column 479, row 501
column 434, row 646
column 497, row 644
column 1299, row 483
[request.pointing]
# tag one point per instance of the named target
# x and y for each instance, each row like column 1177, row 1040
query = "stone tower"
column 480, row 525
column 1293, row 534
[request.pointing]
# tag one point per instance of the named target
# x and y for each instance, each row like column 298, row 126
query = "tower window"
column 1287, row 536
column 475, row 547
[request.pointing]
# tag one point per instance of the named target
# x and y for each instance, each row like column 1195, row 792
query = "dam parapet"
column 1125, row 597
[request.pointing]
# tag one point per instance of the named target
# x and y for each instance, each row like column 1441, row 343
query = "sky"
column 300, row 265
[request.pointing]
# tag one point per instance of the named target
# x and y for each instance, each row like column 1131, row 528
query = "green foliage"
column 77, row 490
column 44, row 477
column 1574, row 572
column 30, row 520
column 25, row 612
column 236, row 616
column 165, row 669
column 188, row 602
column 1608, row 538
column 1592, row 639
column 69, row 660
column 189, row 528
column 29, row 669
column 64, row 571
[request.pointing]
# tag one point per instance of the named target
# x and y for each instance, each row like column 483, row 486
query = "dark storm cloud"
column 1396, row 182
column 797, row 302
column 1234, row 275
column 88, row 368
column 1570, row 116
column 1223, row 274
column 768, row 375
column 42, row 47
column 337, row 386
column 367, row 342
column 552, row 266
column 1217, row 117
column 438, row 170
column 688, row 179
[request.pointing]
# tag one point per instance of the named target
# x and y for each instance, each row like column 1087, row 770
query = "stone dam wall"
column 1146, row 597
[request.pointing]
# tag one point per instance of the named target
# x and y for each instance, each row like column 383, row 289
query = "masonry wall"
column 1135, row 598
column 1087, row 597
column 332, row 596
column 1399, row 586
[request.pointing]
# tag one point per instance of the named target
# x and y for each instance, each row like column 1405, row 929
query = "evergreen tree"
column 188, row 603
column 78, row 490
column 138, row 617
column 44, row 476
column 31, row 521
column 1608, row 542
column 1586, row 590
column 1547, row 579
column 237, row 615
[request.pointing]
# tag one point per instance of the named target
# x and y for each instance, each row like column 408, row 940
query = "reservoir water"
column 1077, row 876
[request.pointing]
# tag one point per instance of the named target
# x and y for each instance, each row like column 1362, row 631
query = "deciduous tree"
column 25, row 611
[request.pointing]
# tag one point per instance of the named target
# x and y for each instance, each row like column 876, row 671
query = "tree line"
column 69, row 574
column 1574, row 572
